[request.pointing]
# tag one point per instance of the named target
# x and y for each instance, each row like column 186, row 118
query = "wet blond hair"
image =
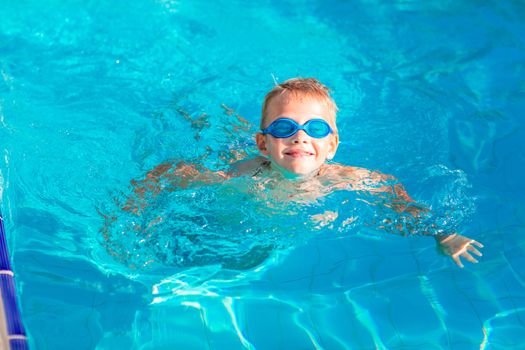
column 300, row 88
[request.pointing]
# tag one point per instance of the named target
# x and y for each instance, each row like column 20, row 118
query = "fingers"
column 457, row 260
column 474, row 250
column 462, row 248
column 465, row 253
column 469, row 257
column 477, row 243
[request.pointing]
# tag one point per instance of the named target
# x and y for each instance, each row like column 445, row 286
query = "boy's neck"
column 288, row 175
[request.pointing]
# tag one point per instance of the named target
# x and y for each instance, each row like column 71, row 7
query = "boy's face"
column 299, row 154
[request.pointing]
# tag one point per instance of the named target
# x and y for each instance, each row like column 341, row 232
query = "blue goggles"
column 284, row 127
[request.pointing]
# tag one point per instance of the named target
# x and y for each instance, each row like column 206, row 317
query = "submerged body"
column 298, row 139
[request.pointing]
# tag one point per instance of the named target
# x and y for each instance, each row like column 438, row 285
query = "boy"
column 298, row 135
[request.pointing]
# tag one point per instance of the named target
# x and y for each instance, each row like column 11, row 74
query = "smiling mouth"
column 298, row 153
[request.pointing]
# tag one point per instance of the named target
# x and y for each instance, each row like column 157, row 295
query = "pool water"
column 95, row 94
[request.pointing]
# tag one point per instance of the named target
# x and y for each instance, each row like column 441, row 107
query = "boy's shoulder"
column 336, row 169
column 356, row 177
column 249, row 166
column 333, row 173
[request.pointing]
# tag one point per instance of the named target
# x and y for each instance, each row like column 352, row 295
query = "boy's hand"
column 459, row 246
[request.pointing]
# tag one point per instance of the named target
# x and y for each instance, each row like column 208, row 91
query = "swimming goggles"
column 284, row 127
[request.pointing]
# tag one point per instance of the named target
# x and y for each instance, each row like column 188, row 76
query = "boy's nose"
column 300, row 137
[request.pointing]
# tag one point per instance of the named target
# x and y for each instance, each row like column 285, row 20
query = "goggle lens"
column 283, row 127
column 318, row 129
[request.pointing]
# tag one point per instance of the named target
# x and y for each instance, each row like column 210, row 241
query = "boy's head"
column 304, row 151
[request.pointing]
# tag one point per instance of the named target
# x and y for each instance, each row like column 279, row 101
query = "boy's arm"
column 453, row 245
column 169, row 177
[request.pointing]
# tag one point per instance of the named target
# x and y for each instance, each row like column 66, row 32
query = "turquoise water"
column 95, row 94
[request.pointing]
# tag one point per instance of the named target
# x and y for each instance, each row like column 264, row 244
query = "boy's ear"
column 260, row 139
column 334, row 143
